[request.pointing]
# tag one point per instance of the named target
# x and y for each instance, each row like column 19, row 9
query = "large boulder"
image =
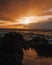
column 11, row 48
column 44, row 50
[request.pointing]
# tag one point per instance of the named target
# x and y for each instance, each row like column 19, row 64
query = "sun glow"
column 27, row 20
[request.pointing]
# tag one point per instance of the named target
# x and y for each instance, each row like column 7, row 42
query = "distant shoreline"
column 47, row 30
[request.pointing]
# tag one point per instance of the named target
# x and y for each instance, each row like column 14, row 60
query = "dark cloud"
column 44, row 25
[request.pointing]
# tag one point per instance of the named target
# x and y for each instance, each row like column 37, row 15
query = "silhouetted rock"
column 11, row 49
column 44, row 50
column 37, row 41
column 42, row 47
column 26, row 45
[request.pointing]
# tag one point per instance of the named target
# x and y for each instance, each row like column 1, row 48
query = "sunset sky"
column 23, row 13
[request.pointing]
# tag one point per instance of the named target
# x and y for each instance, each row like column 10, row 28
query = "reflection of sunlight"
column 30, row 50
column 30, row 54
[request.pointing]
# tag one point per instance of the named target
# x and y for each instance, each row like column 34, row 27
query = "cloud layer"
column 12, row 10
column 36, row 22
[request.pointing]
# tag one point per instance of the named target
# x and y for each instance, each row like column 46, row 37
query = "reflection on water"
column 30, row 54
column 30, row 58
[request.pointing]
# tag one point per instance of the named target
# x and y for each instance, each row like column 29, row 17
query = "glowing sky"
column 11, row 11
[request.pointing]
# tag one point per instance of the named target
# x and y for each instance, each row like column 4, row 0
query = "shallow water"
column 31, row 58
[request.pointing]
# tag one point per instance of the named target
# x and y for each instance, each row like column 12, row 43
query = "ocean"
column 30, row 56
